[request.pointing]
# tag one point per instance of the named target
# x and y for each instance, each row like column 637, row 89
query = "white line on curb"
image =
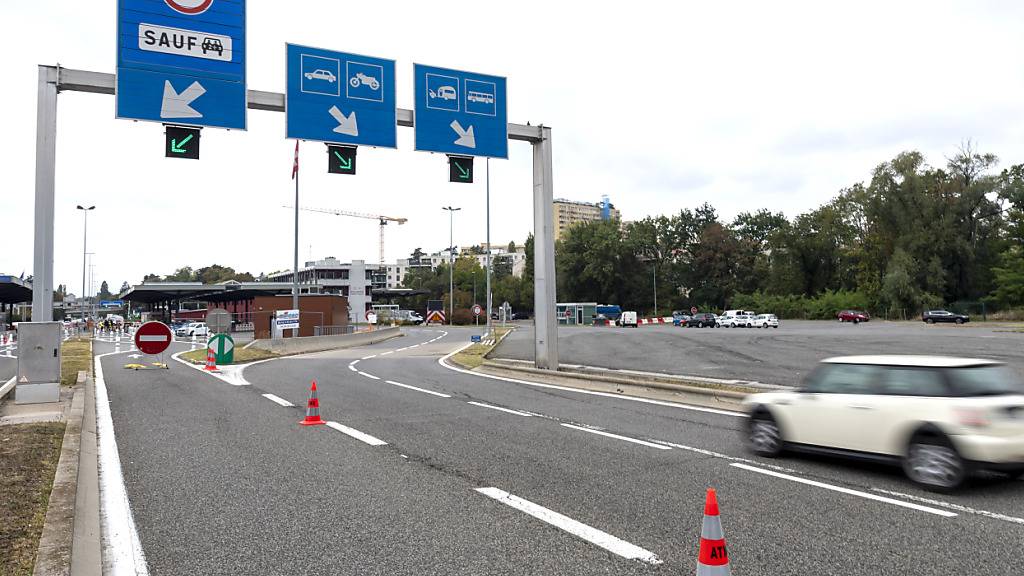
column 361, row 436
column 618, row 437
column 912, row 506
column 417, row 389
column 278, row 400
column 578, row 529
column 516, row 412
column 122, row 549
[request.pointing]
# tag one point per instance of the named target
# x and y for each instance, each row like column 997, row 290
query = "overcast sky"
column 660, row 105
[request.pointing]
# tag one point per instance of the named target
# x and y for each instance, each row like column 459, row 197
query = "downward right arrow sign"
column 466, row 137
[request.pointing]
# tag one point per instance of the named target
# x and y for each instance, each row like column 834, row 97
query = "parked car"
column 703, row 319
column 933, row 316
column 628, row 318
column 193, row 329
column 679, row 318
column 854, row 316
column 940, row 418
column 736, row 319
column 766, row 321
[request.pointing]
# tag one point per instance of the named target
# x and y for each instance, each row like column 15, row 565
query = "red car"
column 854, row 316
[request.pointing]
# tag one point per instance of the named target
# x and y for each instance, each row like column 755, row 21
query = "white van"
column 628, row 318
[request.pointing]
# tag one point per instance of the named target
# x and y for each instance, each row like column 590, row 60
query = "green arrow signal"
column 177, row 148
column 464, row 174
column 346, row 163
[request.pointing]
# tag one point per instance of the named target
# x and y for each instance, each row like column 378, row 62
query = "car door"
column 825, row 412
column 904, row 394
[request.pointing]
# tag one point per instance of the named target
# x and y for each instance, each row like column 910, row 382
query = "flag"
column 295, row 166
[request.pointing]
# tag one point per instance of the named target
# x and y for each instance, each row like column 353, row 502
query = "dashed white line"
column 361, row 436
column 278, row 400
column 370, row 376
column 869, row 496
column 618, row 437
column 388, row 352
column 957, row 507
column 578, row 529
column 417, row 389
column 368, row 357
column 516, row 412
column 724, row 456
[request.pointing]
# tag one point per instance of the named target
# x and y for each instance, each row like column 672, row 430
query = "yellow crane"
column 383, row 220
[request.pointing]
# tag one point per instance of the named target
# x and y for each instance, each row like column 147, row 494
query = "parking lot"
column 775, row 356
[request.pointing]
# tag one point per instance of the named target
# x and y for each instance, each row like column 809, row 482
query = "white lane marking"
column 122, row 550
column 578, row 529
column 371, row 376
column 443, row 362
column 388, row 352
column 278, row 400
column 233, row 377
column 869, row 496
column 417, row 389
column 368, row 357
column 402, row 349
column 516, row 412
column 353, row 368
column 957, row 507
column 414, row 346
column 724, row 456
column 361, row 436
column 617, row 437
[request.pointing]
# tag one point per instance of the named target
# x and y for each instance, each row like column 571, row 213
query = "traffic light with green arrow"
column 341, row 159
column 181, row 142
column 460, row 169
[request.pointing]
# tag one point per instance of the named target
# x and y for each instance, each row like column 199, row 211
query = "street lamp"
column 85, row 237
column 451, row 261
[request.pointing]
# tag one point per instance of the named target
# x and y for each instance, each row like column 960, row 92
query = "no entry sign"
column 153, row 338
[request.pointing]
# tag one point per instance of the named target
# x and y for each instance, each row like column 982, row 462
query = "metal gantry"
column 54, row 79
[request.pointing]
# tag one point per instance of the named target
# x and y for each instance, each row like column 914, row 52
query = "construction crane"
column 383, row 220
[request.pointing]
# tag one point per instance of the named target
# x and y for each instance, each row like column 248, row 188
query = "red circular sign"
column 693, row 309
column 153, row 338
column 477, row 310
column 190, row 7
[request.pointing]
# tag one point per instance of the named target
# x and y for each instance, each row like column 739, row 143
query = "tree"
column 104, row 293
column 125, row 287
column 1009, row 277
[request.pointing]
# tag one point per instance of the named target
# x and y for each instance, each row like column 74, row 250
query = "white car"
column 193, row 329
column 628, row 319
column 734, row 320
column 940, row 418
column 321, row 75
column 766, row 321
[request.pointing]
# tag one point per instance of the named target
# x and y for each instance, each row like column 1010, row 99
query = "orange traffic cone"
column 713, row 559
column 312, row 408
column 211, row 361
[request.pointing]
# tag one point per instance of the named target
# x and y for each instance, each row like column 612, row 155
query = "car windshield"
column 992, row 380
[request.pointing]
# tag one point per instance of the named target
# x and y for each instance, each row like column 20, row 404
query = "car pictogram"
column 321, row 75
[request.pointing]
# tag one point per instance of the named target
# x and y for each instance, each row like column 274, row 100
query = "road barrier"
column 312, row 408
column 713, row 559
column 660, row 320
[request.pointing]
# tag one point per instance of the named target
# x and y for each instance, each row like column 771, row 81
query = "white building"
column 354, row 280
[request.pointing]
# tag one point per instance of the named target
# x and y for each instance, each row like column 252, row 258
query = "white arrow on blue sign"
column 340, row 98
column 182, row 62
column 462, row 113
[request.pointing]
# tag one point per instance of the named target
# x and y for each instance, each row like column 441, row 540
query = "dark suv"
column 702, row 319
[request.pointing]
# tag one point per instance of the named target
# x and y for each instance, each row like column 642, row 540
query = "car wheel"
column 841, row 320
column 930, row 321
column 959, row 320
column 934, row 464
column 856, row 321
column 700, row 324
column 763, row 435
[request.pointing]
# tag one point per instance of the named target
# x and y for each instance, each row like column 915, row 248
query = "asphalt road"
column 775, row 356
column 223, row 479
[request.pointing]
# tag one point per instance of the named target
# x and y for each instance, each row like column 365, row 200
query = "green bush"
column 824, row 306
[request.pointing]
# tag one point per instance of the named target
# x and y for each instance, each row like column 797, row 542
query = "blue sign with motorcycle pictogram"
column 182, row 62
column 340, row 98
column 460, row 113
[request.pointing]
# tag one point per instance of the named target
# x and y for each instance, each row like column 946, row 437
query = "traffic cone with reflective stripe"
column 713, row 559
column 211, row 361
column 312, row 408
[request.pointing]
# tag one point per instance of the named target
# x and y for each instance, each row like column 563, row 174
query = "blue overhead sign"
column 340, row 98
column 460, row 113
column 182, row 62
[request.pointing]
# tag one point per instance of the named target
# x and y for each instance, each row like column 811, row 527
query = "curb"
column 55, row 543
column 704, row 390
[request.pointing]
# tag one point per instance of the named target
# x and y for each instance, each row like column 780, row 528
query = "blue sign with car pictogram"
column 460, row 113
column 182, row 62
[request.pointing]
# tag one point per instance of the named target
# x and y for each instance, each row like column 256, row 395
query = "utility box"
column 38, row 363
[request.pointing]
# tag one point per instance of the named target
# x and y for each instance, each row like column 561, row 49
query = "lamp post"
column 85, row 237
column 451, row 261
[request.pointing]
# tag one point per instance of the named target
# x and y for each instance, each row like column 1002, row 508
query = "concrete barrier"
column 304, row 344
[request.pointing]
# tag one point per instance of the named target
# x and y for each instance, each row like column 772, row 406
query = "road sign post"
column 182, row 62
